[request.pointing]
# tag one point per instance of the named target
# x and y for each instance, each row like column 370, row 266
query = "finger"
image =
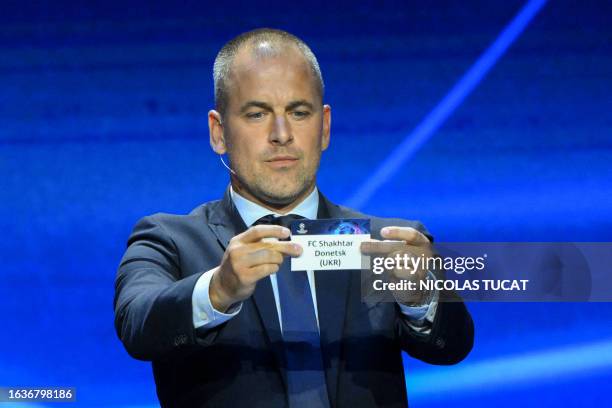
column 283, row 247
column 263, row 256
column 381, row 247
column 263, row 270
column 258, row 232
column 408, row 234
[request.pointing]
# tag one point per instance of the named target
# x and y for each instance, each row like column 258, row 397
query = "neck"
column 280, row 208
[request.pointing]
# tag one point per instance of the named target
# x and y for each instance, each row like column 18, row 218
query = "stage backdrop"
column 103, row 120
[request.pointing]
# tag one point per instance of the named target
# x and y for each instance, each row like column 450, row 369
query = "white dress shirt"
column 205, row 316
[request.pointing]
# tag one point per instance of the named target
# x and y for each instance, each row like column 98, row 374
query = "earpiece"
column 225, row 165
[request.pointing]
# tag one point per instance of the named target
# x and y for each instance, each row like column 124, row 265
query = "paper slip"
column 330, row 244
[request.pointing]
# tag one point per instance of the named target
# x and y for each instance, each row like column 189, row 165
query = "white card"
column 330, row 244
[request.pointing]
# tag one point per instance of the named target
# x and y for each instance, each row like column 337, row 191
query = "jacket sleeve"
column 153, row 303
column 451, row 336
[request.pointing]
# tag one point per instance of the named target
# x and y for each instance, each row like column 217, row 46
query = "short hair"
column 278, row 41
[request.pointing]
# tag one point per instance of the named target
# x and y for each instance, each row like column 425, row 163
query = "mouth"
column 282, row 161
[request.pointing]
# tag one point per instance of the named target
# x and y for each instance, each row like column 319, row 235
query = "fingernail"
column 286, row 231
column 385, row 230
column 297, row 248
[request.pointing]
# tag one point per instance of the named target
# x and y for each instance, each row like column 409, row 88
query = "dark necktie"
column 301, row 339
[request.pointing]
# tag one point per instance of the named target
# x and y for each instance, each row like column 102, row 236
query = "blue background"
column 103, row 120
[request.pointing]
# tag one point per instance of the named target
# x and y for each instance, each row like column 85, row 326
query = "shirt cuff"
column 205, row 316
column 424, row 312
column 418, row 314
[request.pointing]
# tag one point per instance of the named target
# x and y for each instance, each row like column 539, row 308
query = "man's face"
column 274, row 127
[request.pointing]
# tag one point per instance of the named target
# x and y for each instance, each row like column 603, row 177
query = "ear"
column 215, row 129
column 326, row 127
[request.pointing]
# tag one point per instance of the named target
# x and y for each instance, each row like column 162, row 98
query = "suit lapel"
column 225, row 222
column 332, row 288
column 264, row 302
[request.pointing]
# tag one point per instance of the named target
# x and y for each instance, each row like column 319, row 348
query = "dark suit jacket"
column 240, row 362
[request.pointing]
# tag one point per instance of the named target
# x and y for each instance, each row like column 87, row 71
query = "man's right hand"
column 248, row 258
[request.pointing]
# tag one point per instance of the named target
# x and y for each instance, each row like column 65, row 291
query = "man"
column 208, row 297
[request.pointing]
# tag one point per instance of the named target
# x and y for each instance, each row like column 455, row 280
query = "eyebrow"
column 263, row 105
column 296, row 104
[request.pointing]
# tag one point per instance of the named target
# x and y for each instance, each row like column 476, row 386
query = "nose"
column 281, row 132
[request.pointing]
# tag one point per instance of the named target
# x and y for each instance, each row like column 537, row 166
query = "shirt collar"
column 251, row 212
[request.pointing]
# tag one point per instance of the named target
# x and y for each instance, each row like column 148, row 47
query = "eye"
column 300, row 114
column 255, row 115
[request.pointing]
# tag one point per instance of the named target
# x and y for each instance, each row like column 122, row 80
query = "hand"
column 403, row 242
column 249, row 257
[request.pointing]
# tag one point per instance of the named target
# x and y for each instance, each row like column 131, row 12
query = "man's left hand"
column 403, row 242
